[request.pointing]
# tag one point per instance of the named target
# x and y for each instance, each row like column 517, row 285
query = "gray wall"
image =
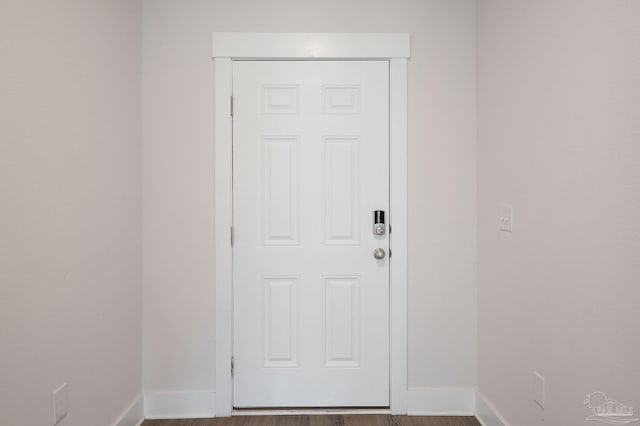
column 178, row 186
column 559, row 139
column 70, row 294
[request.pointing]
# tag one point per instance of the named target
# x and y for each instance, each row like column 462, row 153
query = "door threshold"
column 309, row 411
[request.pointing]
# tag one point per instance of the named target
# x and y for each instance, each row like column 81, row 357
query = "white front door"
column 310, row 167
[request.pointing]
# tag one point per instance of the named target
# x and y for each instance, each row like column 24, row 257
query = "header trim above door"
column 394, row 48
column 310, row 45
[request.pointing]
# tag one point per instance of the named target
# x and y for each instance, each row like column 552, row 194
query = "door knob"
column 379, row 253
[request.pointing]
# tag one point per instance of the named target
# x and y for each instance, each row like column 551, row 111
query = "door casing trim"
column 394, row 48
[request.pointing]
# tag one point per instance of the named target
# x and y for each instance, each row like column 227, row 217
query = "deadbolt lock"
column 379, row 227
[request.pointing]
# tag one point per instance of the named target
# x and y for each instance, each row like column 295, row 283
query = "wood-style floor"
column 328, row 420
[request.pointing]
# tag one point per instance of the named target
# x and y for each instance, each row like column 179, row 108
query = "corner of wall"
column 133, row 415
column 486, row 414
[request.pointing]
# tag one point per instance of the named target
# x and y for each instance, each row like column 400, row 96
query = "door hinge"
column 231, row 105
column 231, row 232
column 389, row 252
column 232, row 366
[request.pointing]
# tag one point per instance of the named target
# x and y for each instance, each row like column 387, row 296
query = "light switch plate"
column 60, row 403
column 538, row 389
column 506, row 218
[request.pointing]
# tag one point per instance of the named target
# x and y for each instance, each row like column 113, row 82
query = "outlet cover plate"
column 60, row 403
column 506, row 218
column 538, row 389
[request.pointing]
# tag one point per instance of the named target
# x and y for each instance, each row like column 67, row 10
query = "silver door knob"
column 379, row 253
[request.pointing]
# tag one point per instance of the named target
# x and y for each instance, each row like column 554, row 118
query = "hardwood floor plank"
column 367, row 420
column 328, row 420
column 161, row 422
column 200, row 422
column 258, row 420
column 462, row 421
column 273, row 421
column 427, row 421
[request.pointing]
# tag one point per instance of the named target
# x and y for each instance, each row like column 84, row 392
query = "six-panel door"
column 310, row 165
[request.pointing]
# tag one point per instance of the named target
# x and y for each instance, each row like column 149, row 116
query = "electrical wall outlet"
column 506, row 218
column 60, row 403
column 538, row 389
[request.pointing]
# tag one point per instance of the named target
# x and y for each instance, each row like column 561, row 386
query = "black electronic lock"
column 378, row 222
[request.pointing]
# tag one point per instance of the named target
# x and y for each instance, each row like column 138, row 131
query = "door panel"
column 310, row 165
column 341, row 191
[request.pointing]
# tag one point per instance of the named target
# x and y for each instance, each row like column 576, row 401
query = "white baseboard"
column 179, row 405
column 133, row 415
column 441, row 402
column 420, row 402
column 486, row 414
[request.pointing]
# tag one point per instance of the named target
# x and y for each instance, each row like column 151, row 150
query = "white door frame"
column 394, row 48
